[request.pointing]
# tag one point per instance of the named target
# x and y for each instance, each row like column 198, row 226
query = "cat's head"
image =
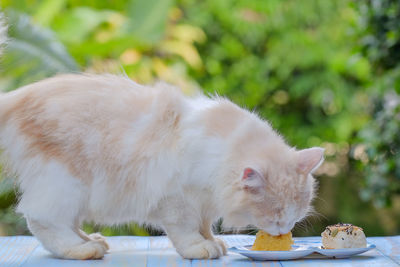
column 275, row 194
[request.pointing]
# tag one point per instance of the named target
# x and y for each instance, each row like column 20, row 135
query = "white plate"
column 299, row 250
column 344, row 252
column 295, row 253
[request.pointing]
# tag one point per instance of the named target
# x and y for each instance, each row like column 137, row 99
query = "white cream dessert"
column 343, row 235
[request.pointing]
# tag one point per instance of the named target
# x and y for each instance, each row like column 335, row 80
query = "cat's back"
column 77, row 105
column 86, row 120
column 74, row 97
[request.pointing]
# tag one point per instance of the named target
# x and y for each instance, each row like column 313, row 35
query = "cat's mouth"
column 276, row 231
column 273, row 232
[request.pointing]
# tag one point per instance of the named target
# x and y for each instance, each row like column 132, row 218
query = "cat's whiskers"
column 239, row 230
column 320, row 199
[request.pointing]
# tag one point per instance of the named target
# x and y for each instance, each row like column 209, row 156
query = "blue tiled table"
column 158, row 251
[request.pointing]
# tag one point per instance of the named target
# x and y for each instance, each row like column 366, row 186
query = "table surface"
column 158, row 251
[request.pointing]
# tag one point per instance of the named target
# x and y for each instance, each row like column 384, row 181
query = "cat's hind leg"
column 52, row 201
column 64, row 242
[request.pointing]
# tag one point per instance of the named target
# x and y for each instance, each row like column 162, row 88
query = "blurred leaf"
column 75, row 25
column 137, row 230
column 47, row 10
column 7, row 192
column 187, row 51
column 188, row 33
column 32, row 53
column 147, row 19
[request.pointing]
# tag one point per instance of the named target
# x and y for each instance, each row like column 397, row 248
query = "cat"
column 104, row 149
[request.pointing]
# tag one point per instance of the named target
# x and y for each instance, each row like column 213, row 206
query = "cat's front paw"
column 222, row 244
column 205, row 249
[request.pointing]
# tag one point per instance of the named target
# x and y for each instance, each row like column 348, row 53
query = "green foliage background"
column 324, row 73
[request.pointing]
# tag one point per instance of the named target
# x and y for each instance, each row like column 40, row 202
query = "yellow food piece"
column 265, row 241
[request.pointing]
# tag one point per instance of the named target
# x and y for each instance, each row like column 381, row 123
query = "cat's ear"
column 252, row 180
column 309, row 159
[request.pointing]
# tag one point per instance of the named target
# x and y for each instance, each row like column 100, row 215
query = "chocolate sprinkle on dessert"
column 343, row 235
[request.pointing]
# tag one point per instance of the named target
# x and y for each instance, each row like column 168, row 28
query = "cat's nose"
column 284, row 228
column 283, row 231
column 273, row 232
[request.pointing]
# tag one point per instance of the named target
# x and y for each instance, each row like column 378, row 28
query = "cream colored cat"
column 103, row 149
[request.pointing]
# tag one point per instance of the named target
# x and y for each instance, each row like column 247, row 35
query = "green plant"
column 378, row 151
column 32, row 53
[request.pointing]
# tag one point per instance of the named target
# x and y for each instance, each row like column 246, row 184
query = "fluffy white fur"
column 104, row 149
